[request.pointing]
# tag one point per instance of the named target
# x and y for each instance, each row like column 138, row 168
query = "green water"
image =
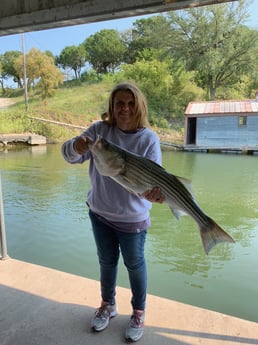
column 47, row 224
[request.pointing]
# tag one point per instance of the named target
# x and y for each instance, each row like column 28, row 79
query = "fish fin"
column 177, row 212
column 186, row 183
column 212, row 235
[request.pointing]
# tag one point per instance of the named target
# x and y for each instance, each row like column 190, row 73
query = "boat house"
column 222, row 125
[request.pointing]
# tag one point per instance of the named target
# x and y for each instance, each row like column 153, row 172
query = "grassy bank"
column 76, row 105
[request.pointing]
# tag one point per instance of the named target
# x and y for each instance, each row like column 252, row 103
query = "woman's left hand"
column 154, row 195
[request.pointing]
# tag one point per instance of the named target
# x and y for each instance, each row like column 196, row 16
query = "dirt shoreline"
column 5, row 102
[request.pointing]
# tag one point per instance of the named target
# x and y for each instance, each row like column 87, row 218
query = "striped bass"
column 138, row 174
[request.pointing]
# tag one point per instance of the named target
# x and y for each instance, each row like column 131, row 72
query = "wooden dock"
column 205, row 149
column 42, row 306
column 231, row 150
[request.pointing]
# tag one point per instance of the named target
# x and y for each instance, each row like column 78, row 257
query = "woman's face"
column 124, row 110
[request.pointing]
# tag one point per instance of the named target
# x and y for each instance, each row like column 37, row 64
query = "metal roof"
column 222, row 108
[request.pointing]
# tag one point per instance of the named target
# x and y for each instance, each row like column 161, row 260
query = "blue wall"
column 226, row 132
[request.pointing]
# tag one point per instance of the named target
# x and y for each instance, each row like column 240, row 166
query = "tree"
column 148, row 34
column 154, row 79
column 105, row 50
column 8, row 66
column 41, row 72
column 73, row 57
column 2, row 74
column 213, row 41
column 50, row 79
column 167, row 86
column 50, row 54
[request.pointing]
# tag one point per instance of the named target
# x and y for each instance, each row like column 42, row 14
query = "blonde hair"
column 141, row 108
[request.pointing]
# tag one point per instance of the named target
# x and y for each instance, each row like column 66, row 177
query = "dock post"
column 2, row 227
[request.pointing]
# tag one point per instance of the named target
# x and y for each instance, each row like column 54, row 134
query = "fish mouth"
column 101, row 142
column 99, row 138
column 97, row 142
column 99, row 145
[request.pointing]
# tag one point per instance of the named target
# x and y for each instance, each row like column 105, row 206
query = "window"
column 242, row 120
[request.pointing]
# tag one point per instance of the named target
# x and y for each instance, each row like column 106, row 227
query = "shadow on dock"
column 42, row 306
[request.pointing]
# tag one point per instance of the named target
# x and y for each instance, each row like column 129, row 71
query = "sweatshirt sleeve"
column 69, row 153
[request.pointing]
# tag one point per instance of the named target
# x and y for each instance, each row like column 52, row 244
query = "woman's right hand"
column 81, row 145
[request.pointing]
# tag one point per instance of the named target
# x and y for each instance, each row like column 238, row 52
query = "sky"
column 56, row 40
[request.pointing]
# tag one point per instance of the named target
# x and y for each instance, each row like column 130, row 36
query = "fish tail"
column 212, row 235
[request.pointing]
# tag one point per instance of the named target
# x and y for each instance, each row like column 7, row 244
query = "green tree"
column 213, row 41
column 40, row 71
column 50, row 54
column 8, row 66
column 167, row 86
column 105, row 50
column 2, row 74
column 154, row 79
column 148, row 34
column 73, row 57
column 50, row 79
column 251, row 78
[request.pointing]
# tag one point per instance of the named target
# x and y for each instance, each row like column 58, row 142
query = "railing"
column 2, row 228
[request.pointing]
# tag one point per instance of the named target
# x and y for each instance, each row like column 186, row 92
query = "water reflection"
column 47, row 223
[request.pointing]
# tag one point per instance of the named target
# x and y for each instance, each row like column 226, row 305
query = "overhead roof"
column 17, row 16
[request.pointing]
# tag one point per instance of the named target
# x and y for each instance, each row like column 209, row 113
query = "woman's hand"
column 154, row 195
column 81, row 145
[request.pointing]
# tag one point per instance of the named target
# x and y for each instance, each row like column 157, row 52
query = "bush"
column 90, row 76
column 14, row 122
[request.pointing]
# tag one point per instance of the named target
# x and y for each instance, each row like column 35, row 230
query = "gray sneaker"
column 136, row 326
column 102, row 316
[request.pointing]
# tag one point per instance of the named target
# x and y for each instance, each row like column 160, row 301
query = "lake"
column 47, row 223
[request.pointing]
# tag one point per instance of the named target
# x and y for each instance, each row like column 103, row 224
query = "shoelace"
column 103, row 312
column 136, row 321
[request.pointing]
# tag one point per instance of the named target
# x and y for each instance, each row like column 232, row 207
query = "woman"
column 119, row 219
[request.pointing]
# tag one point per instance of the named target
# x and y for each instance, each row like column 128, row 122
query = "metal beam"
column 17, row 16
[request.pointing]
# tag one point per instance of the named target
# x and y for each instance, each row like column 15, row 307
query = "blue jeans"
column 109, row 242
